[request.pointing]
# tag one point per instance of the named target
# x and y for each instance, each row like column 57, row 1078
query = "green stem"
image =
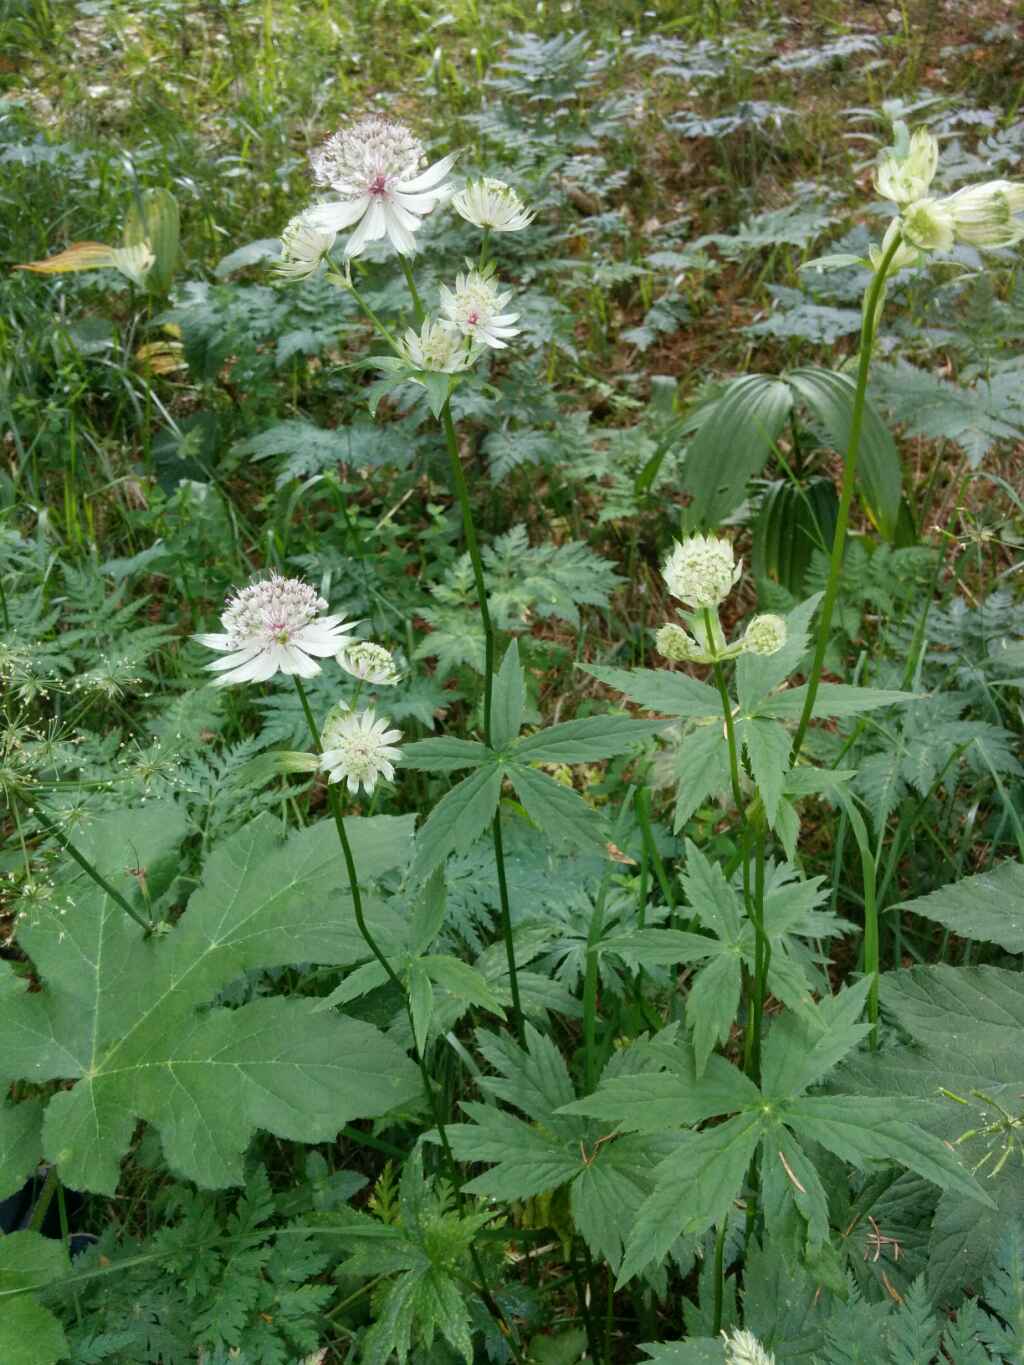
column 484, row 243
column 867, row 340
column 428, row 1087
column 46, row 820
column 590, row 986
column 385, row 333
column 417, row 304
column 730, row 731
column 46, row 1194
column 719, row 1278
column 473, row 546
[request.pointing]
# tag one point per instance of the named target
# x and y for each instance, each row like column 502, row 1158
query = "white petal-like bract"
column 358, row 748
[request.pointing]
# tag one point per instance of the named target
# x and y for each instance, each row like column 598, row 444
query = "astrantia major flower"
column 676, row 644
column 303, row 248
column 983, row 215
column 906, row 178
column 274, row 626
column 474, row 308
column 375, row 166
column 369, row 663
column 764, row 635
column 701, row 571
column 438, row 347
column 928, row 224
column 743, row 1348
column 492, row 204
column 358, row 748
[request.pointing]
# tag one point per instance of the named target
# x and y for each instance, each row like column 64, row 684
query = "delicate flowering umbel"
column 701, row 571
column 274, row 626
column 438, row 347
column 303, row 249
column 493, row 205
column 376, row 166
column 358, row 748
column 370, row 663
column 474, row 308
column 907, row 176
column 764, row 635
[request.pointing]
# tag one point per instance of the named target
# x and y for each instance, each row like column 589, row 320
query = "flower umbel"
column 983, row 215
column 370, row 663
column 701, row 571
column 474, row 308
column 492, row 204
column 906, row 178
column 375, row 166
column 743, row 1348
column 764, row 635
column 303, row 249
column 274, row 626
column 437, row 347
column 358, row 748
column 676, row 644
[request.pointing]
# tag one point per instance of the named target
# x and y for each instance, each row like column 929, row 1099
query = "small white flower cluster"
column 378, row 169
column 701, row 572
column 276, row 626
column 743, row 1348
column 978, row 215
column 473, row 318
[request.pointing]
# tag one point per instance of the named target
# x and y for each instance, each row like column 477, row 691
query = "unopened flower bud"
column 675, row 644
column 765, row 635
column 983, row 215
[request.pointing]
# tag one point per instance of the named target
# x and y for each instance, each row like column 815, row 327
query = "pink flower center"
column 378, row 186
column 472, row 318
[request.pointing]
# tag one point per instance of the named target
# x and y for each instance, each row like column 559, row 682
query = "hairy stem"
column 867, row 339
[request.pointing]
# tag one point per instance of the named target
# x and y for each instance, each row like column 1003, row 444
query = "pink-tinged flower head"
column 474, row 308
column 274, row 626
column 375, row 166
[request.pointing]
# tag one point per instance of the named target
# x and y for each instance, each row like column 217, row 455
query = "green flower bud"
column 765, row 635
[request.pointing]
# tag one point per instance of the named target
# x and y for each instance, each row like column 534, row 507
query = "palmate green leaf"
column 509, row 699
column 445, row 754
column 695, row 1351
column 120, row 1013
column 657, row 1101
column 587, row 740
column 458, row 818
column 702, row 770
column 833, row 699
column 767, row 747
column 557, row 810
column 696, row 1188
column 674, row 694
column 988, row 907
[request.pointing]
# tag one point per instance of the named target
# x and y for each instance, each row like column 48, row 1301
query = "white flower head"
column 701, row 571
column 474, row 308
column 983, row 215
column 928, row 224
column 743, row 1348
column 906, row 178
column 369, row 663
column 376, row 168
column 438, row 347
column 492, row 204
column 765, row 635
column 274, row 626
column 358, row 748
column 303, row 248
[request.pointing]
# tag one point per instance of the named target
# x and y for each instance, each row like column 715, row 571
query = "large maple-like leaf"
column 130, row 1018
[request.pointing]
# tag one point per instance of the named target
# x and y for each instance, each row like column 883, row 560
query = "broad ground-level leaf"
column 121, row 1012
column 20, row 1143
column 988, row 907
column 29, row 1333
column 966, row 1066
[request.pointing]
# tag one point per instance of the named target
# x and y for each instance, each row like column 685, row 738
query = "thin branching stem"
column 867, row 342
